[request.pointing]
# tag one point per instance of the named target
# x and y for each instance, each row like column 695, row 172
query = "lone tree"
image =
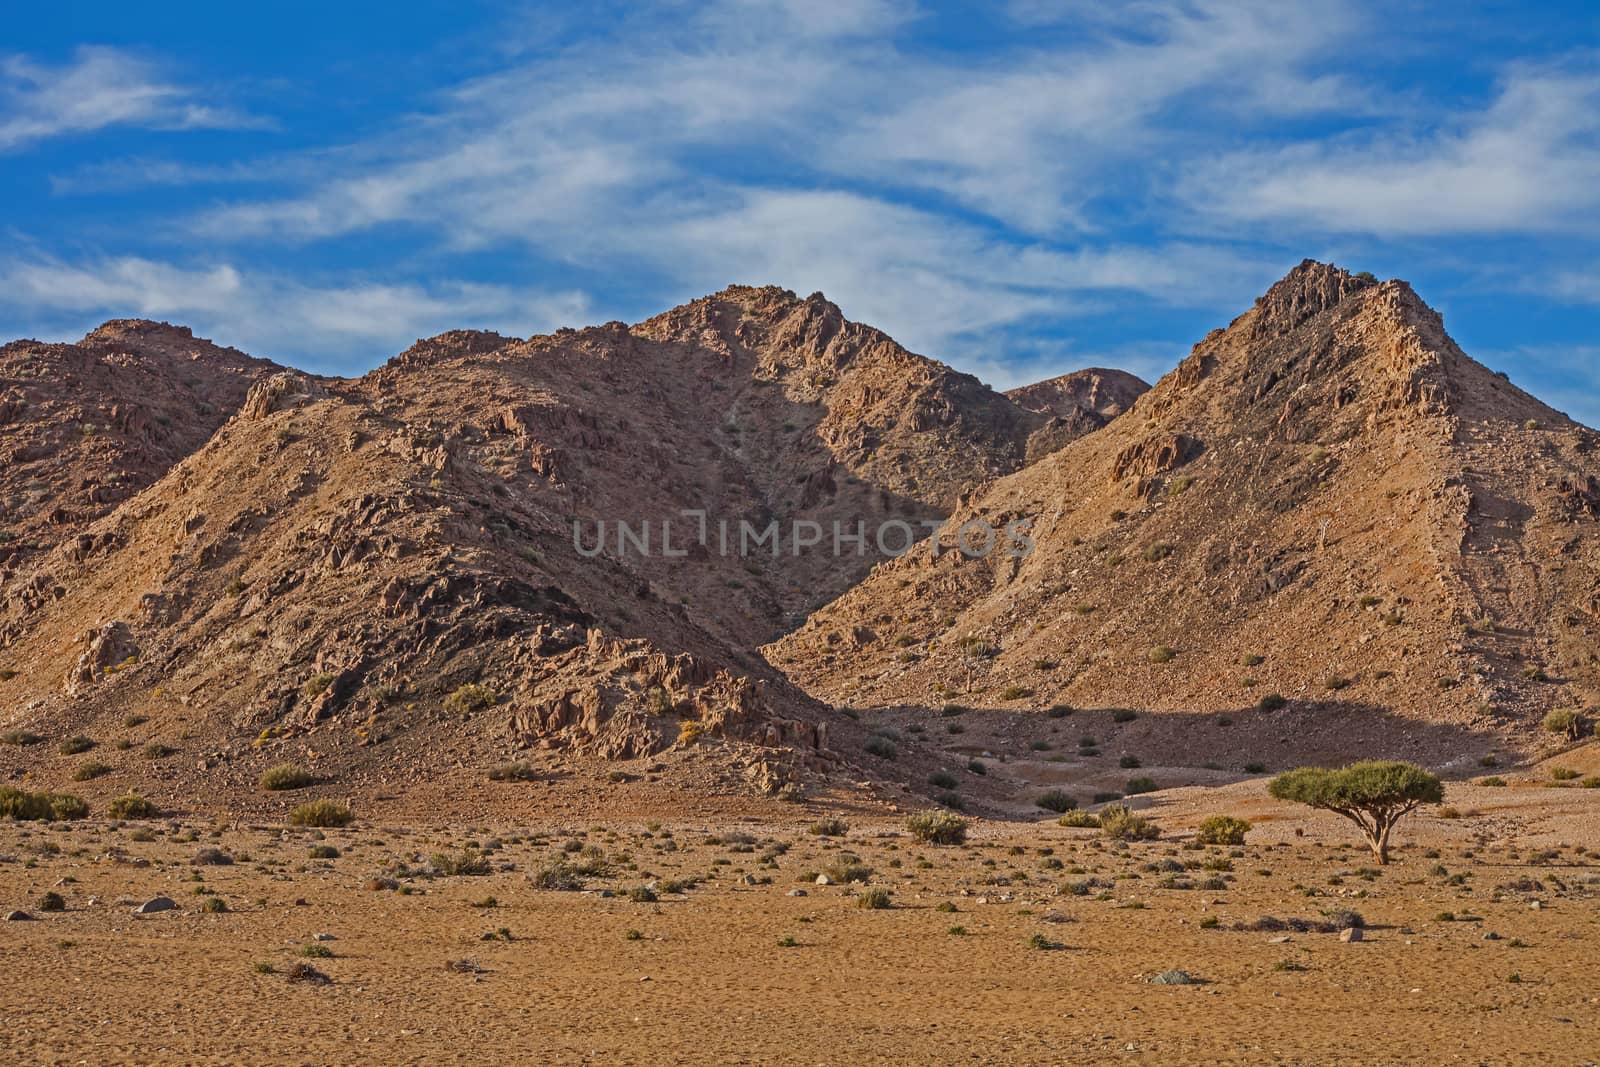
column 1373, row 795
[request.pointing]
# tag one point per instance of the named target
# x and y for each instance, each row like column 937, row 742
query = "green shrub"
column 67, row 806
column 1056, row 800
column 1272, row 702
column 91, row 770
column 1222, row 830
column 157, row 750
column 1563, row 774
column 1120, row 824
column 1128, row 763
column 471, row 697
column 880, row 747
column 1494, row 781
column 515, row 771
column 1570, row 722
column 937, row 827
column 72, row 746
column 942, row 780
column 52, row 901
column 1079, row 820
column 1163, row 654
column 285, row 776
column 829, row 827
column 977, row 767
column 467, row 863
column 1121, row 715
column 847, row 869
column 875, row 899
column 130, row 805
column 318, row 684
column 321, row 813
column 558, row 875
column 1015, row 692
column 1136, row 786
column 19, row 737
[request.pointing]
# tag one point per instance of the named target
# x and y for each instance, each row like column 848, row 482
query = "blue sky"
column 1018, row 189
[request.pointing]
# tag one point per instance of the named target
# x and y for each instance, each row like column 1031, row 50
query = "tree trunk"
column 1379, row 840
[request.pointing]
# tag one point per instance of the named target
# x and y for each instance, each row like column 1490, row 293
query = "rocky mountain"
column 1327, row 506
column 85, row 426
column 1076, row 404
column 480, row 548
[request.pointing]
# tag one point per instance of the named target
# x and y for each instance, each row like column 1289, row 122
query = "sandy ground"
column 737, row 970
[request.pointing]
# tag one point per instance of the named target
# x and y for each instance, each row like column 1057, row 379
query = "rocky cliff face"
column 407, row 568
column 1327, row 502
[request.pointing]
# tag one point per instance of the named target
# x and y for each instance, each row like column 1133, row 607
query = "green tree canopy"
column 1374, row 795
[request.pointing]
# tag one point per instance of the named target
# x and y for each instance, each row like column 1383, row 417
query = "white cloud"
column 100, row 87
column 1529, row 161
column 272, row 315
column 743, row 94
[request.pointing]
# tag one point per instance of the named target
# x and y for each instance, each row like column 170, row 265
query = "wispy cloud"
column 339, row 327
column 1527, row 162
column 100, row 87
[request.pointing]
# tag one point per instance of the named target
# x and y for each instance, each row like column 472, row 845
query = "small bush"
column 977, row 767
column 1128, row 763
column 1158, row 552
column 1569, row 722
column 285, row 776
column 880, row 747
column 1121, row 715
column 830, row 827
column 1563, row 774
column 1058, row 711
column 317, row 684
column 321, row 813
column 52, row 901
column 942, row 780
column 1136, row 786
column 690, row 731
column 558, row 875
column 515, row 771
column 1272, row 702
column 467, row 863
column 1015, row 692
column 875, row 899
column 41, row 807
column 1120, row 824
column 91, row 770
column 157, row 750
column 323, row 852
column 72, row 746
column 130, row 805
column 937, row 827
column 1494, row 781
column 1056, row 800
column 1079, row 820
column 19, row 737
column 1163, row 654
column 1223, row 830
column 469, row 698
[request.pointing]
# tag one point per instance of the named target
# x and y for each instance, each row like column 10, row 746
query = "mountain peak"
column 1308, row 290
